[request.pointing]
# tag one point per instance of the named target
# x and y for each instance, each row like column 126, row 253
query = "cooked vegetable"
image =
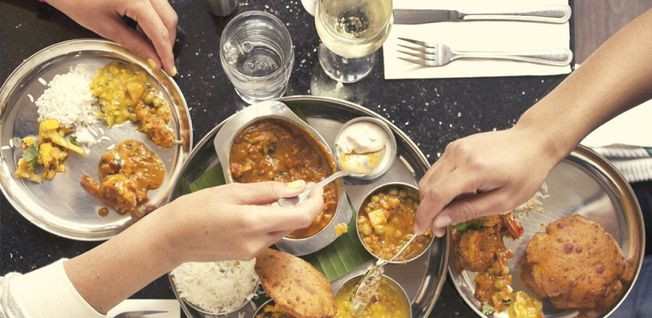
column 525, row 306
column 487, row 309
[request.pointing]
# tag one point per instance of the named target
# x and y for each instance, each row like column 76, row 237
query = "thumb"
column 471, row 207
column 131, row 40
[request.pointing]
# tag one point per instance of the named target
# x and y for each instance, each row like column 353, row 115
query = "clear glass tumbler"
column 257, row 55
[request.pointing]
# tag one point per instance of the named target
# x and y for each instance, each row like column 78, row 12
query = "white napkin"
column 170, row 307
column 477, row 36
column 633, row 127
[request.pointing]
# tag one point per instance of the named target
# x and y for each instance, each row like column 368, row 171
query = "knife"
column 551, row 14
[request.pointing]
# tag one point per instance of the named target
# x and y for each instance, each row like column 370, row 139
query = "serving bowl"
column 395, row 286
column 276, row 110
column 367, row 199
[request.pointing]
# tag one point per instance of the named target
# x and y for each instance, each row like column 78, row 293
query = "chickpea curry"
column 387, row 302
column 386, row 221
column 480, row 248
column 126, row 173
column 126, row 93
column 275, row 149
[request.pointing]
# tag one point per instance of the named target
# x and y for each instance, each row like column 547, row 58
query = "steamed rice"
column 216, row 287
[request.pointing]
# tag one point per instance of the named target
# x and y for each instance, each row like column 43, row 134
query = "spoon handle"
column 303, row 195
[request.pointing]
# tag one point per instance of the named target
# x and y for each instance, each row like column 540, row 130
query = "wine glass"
column 351, row 31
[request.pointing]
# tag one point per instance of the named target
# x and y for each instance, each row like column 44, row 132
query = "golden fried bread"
column 576, row 264
column 295, row 285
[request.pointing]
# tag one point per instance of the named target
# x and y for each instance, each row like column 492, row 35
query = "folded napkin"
column 477, row 36
column 626, row 141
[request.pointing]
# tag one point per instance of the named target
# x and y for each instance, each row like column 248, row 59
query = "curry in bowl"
column 276, row 150
column 385, row 222
column 389, row 301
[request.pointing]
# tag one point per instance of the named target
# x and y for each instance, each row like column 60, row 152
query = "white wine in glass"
column 351, row 31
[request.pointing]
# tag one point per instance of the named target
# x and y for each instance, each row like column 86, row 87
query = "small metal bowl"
column 277, row 110
column 397, row 287
column 390, row 148
column 204, row 312
column 359, row 210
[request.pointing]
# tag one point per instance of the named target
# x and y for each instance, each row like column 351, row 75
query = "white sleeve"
column 45, row 292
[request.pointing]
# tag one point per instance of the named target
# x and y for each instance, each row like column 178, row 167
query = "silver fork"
column 434, row 54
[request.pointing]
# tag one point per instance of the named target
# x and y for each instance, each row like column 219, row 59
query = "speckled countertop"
column 431, row 112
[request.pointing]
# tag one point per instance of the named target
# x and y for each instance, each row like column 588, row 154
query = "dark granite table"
column 432, row 112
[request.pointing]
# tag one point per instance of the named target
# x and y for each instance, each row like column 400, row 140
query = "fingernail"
column 295, row 184
column 443, row 221
column 151, row 63
column 174, row 71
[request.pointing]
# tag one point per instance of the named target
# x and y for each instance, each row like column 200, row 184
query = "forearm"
column 116, row 269
column 616, row 77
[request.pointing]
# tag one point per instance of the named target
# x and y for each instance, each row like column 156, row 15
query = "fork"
column 435, row 54
column 139, row 313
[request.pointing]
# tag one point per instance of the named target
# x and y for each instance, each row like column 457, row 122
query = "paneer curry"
column 386, row 221
column 275, row 149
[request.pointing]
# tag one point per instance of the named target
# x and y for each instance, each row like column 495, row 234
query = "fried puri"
column 576, row 264
column 295, row 285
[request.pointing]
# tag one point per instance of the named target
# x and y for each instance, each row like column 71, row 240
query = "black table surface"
column 432, row 112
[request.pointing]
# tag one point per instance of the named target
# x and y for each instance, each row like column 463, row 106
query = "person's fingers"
column 276, row 219
column 114, row 29
column 168, row 16
column 441, row 192
column 443, row 166
column 261, row 192
column 144, row 14
column 472, row 207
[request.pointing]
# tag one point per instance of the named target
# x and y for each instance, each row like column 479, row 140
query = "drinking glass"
column 351, row 31
column 257, row 55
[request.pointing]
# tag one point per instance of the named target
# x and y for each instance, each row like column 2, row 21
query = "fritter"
column 296, row 286
column 576, row 264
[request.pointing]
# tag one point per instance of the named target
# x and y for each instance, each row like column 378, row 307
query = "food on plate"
column 386, row 221
column 525, row 306
column 45, row 153
column 126, row 173
column 275, row 149
column 68, row 100
column 479, row 247
column 125, row 93
column 361, row 147
column 341, row 229
column 272, row 310
column 296, row 287
column 216, row 287
column 388, row 301
column 576, row 264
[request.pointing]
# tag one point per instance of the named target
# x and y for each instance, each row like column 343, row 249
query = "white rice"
column 216, row 287
column 69, row 100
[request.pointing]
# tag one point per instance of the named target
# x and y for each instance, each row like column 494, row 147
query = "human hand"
column 104, row 17
column 233, row 221
column 482, row 174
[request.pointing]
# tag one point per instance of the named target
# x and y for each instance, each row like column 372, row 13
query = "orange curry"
column 274, row 149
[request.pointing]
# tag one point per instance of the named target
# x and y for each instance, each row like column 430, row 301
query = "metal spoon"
column 372, row 278
column 303, row 195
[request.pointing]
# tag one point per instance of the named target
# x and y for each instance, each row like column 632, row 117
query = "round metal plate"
column 584, row 183
column 422, row 278
column 61, row 206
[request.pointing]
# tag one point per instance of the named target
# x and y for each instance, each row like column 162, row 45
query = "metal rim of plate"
column 621, row 217
column 423, row 279
column 277, row 110
column 66, row 53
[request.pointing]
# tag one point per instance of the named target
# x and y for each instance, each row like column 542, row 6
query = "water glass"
column 257, row 55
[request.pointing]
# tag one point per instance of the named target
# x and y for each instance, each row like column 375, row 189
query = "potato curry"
column 46, row 152
column 386, row 221
column 274, row 149
column 126, row 93
column 126, row 173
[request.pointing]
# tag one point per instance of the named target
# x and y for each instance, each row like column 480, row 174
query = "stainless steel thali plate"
column 61, row 206
column 422, row 278
column 584, row 183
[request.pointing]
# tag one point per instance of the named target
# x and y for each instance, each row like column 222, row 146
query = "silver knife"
column 551, row 14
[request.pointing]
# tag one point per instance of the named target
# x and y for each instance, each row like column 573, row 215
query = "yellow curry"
column 126, row 93
column 388, row 302
column 272, row 310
